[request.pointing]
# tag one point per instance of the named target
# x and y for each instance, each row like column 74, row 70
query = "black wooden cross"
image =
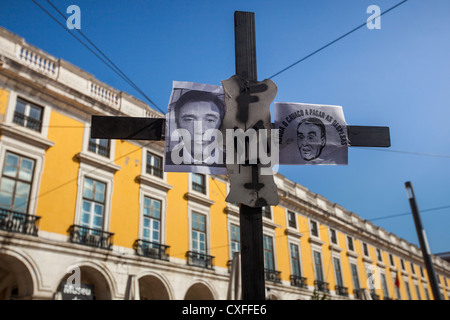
column 251, row 229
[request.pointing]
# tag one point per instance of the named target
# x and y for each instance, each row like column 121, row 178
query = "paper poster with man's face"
column 193, row 141
column 311, row 134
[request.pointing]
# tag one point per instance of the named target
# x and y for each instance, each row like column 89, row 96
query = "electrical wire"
column 111, row 64
column 407, row 152
column 335, row 40
column 409, row 213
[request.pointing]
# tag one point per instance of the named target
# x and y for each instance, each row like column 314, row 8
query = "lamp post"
column 423, row 241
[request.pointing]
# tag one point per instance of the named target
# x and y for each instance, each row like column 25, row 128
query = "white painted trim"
column 8, row 144
column 86, row 170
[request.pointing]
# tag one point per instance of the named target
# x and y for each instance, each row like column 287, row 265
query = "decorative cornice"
column 270, row 224
column 292, row 232
column 352, row 254
column 367, row 259
column 336, row 248
column 97, row 162
column 23, row 135
column 198, row 198
column 316, row 241
column 154, row 182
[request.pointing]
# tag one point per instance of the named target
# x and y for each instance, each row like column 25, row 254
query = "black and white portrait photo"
column 193, row 140
column 311, row 134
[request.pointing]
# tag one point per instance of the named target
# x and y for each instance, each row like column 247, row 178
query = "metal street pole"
column 251, row 229
column 423, row 241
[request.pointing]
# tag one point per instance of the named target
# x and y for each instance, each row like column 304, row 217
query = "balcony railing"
column 199, row 187
column 298, row 281
column 358, row 293
column 154, row 171
column 200, row 260
column 342, row 291
column 27, row 122
column 272, row 275
column 91, row 237
column 374, row 296
column 151, row 250
column 321, row 286
column 99, row 149
column 18, row 222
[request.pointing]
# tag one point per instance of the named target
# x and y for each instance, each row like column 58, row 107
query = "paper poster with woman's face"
column 311, row 134
column 193, row 139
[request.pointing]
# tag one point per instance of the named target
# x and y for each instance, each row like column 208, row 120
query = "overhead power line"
column 409, row 213
column 110, row 64
column 409, row 152
column 334, row 41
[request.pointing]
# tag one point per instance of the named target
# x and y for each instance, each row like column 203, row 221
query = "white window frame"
column 353, row 243
column 146, row 151
column 297, row 243
column 272, row 235
column 194, row 207
column 319, row 250
column 295, row 219
column 198, row 193
column 9, row 116
column 338, row 257
column 231, row 220
column 94, row 156
column 330, row 235
column 310, row 228
column 87, row 170
column 8, row 144
column 148, row 192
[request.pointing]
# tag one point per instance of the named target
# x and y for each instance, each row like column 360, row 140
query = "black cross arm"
column 127, row 128
column 365, row 136
column 106, row 127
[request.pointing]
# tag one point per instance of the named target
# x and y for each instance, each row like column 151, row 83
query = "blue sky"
column 397, row 76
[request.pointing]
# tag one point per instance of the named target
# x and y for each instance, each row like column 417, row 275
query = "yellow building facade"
column 104, row 214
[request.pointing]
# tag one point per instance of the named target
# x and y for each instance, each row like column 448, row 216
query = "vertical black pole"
column 423, row 241
column 252, row 253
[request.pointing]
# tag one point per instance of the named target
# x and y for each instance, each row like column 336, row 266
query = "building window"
column 295, row 260
column 100, row 146
column 384, row 286
column 269, row 262
column 408, row 291
column 154, row 165
column 421, row 272
column 235, row 239
column 314, row 229
column 412, row 268
column 365, row 249
column 318, row 266
column 402, row 264
column 418, row 292
column 93, row 204
column 199, row 244
column 338, row 272
column 391, row 259
column 379, row 256
column 350, row 243
column 291, row 219
column 17, row 178
column 199, row 182
column 266, row 212
column 28, row 115
column 355, row 276
column 151, row 228
column 425, row 289
column 333, row 236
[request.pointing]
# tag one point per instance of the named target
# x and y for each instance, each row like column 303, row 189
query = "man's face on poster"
column 197, row 118
column 310, row 140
